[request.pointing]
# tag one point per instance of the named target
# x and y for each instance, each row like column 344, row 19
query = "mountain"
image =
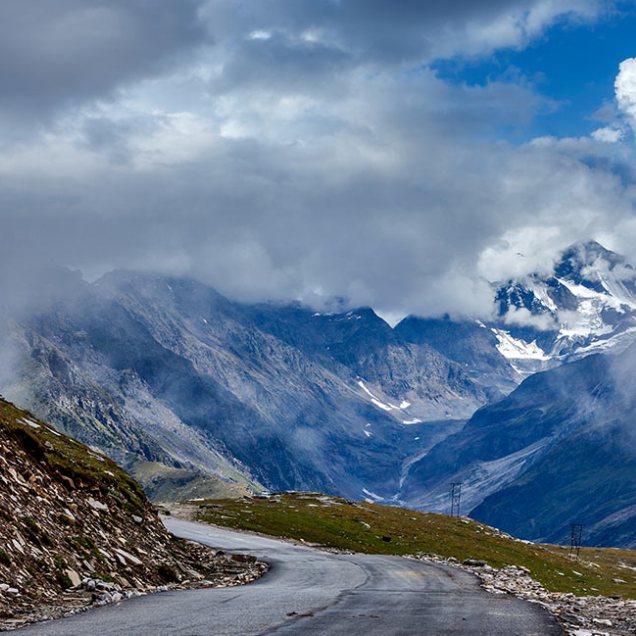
column 77, row 531
column 561, row 448
column 585, row 303
column 198, row 395
column 164, row 374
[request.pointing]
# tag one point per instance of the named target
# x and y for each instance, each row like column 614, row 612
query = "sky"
column 393, row 153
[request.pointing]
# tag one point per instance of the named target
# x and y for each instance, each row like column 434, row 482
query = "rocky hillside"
column 76, row 531
column 560, row 449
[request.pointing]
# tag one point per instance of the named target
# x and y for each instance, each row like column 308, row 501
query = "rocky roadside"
column 579, row 615
column 77, row 532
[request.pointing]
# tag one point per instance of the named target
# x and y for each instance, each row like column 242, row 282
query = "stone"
column 97, row 505
column 575, row 619
column 74, row 577
column 602, row 621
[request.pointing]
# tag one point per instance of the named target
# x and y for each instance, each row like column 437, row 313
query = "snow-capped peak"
column 587, row 303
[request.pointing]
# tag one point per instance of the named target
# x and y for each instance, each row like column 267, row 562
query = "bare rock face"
column 75, row 530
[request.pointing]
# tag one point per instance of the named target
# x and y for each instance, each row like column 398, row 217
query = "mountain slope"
column 560, row 449
column 166, row 372
column 71, row 518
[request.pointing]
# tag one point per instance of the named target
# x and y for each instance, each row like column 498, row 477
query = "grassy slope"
column 361, row 527
column 166, row 483
column 71, row 458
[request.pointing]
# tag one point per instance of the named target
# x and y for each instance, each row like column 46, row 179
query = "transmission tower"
column 456, row 497
column 576, row 536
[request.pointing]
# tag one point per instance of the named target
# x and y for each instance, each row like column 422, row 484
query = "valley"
column 200, row 396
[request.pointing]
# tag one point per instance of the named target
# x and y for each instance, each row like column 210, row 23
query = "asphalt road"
column 308, row 591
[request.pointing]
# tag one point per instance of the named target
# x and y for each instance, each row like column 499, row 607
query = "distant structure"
column 456, row 498
column 576, row 537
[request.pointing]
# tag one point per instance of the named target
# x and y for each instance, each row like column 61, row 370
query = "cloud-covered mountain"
column 585, row 303
column 200, row 394
column 167, row 372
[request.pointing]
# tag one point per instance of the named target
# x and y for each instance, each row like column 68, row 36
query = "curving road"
column 308, row 591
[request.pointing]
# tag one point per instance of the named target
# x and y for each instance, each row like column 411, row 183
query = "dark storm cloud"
column 56, row 53
column 396, row 31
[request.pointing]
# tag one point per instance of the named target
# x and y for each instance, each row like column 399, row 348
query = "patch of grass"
column 64, row 582
column 30, row 522
column 376, row 529
column 60, row 563
column 84, row 542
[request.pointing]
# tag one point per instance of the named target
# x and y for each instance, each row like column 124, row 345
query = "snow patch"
column 517, row 349
column 381, row 405
column 376, row 401
column 372, row 495
column 28, row 422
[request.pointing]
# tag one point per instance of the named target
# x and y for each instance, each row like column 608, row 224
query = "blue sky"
column 574, row 64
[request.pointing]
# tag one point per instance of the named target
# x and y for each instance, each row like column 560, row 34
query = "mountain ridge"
column 196, row 393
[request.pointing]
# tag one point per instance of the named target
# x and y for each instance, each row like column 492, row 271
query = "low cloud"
column 521, row 317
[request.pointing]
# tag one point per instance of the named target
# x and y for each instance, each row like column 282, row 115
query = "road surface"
column 312, row 592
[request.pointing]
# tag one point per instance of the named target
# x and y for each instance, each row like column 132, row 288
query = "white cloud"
column 607, row 135
column 521, row 317
column 259, row 34
column 625, row 87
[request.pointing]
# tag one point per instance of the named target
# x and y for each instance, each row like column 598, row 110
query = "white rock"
column 127, row 556
column 73, row 576
column 97, row 505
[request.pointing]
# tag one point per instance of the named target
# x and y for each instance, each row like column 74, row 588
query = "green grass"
column 375, row 529
column 70, row 458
